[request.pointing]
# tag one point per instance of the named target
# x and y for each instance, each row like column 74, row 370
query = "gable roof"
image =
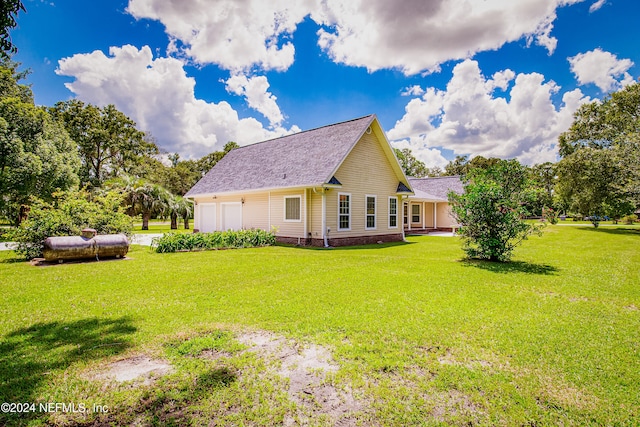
column 304, row 159
column 436, row 188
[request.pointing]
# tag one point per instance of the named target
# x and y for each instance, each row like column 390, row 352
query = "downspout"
column 325, row 238
column 305, row 215
column 404, row 237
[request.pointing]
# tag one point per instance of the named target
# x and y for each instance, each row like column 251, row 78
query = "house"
column 336, row 185
column 428, row 208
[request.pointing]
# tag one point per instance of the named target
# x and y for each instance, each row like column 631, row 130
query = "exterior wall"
column 428, row 211
column 365, row 171
column 445, row 220
column 287, row 228
column 255, row 210
column 315, row 214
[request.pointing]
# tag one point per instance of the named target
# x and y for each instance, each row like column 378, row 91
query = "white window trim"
column 390, row 214
column 419, row 213
column 350, row 211
column 285, row 209
column 375, row 211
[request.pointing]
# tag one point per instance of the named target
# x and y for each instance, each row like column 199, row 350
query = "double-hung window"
column 415, row 213
column 370, row 212
column 393, row 212
column 344, row 211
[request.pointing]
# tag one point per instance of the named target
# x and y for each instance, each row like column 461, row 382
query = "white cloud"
column 597, row 5
column 160, row 97
column 412, row 35
column 420, row 35
column 414, row 90
column 255, row 90
column 432, row 157
column 601, row 68
column 469, row 119
column 235, row 34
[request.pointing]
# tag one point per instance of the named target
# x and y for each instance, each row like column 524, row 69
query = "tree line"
column 597, row 176
column 73, row 145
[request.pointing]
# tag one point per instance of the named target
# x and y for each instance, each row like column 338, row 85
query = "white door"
column 207, row 217
column 231, row 216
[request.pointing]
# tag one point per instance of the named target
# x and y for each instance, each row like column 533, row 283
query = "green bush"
column 629, row 219
column 174, row 242
column 67, row 216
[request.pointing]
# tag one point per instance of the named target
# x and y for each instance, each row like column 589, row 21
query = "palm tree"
column 150, row 199
column 179, row 207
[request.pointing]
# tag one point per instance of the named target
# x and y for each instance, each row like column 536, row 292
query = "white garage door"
column 231, row 216
column 207, row 217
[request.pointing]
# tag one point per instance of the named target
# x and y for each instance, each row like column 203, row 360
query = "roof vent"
column 369, row 130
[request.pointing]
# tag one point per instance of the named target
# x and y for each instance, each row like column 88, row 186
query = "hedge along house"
column 332, row 186
column 428, row 208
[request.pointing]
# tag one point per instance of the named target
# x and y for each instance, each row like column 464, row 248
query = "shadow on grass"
column 621, row 231
column 511, row 267
column 347, row 248
column 28, row 355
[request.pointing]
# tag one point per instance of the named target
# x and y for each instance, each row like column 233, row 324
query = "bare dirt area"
column 306, row 367
column 140, row 369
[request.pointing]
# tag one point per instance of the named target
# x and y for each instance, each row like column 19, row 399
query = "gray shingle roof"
column 436, row 188
column 303, row 159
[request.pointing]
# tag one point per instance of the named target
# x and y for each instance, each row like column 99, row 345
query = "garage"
column 231, row 216
column 207, row 217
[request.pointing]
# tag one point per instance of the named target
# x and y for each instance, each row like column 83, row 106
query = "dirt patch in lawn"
column 310, row 387
column 140, row 369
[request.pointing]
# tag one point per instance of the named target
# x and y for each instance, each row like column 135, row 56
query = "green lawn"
column 159, row 226
column 421, row 336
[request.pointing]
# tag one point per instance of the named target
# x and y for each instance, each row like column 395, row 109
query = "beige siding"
column 287, row 228
column 445, row 220
column 365, row 171
column 315, row 213
column 428, row 212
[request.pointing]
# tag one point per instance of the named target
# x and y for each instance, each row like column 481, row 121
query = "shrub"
column 67, row 216
column 549, row 215
column 629, row 219
column 491, row 210
column 173, row 242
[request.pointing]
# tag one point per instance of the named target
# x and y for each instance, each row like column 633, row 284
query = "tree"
column 37, row 157
column 179, row 207
column 491, row 210
column 108, row 141
column 412, row 166
column 543, row 178
column 142, row 198
column 588, row 186
column 461, row 165
column 8, row 12
column 598, row 174
column 207, row 162
column 67, row 214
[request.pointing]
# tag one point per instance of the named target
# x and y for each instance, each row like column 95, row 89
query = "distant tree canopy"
column 8, row 12
column 37, row 156
column 598, row 174
column 461, row 165
column 108, row 141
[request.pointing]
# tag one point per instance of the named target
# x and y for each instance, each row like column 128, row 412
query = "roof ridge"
column 436, row 177
column 304, row 131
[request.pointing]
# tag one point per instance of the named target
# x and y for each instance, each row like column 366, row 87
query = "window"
column 393, row 212
column 406, row 213
column 292, row 208
column 415, row 213
column 370, row 212
column 344, row 211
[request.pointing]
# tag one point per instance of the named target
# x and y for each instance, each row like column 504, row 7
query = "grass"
column 421, row 336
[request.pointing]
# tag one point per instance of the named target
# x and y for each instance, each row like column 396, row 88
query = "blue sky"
column 493, row 77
